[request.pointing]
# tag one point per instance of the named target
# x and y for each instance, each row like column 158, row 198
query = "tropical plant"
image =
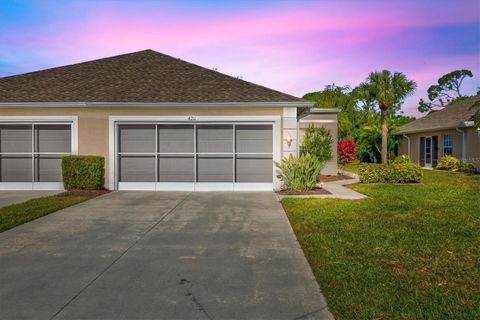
column 404, row 158
column 446, row 92
column 299, row 173
column 317, row 141
column 387, row 90
column 347, row 151
column 448, row 162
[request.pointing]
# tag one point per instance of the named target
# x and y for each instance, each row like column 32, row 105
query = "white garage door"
column 31, row 155
column 194, row 157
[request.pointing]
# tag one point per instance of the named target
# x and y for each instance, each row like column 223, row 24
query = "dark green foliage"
column 405, row 252
column 299, row 173
column 18, row 214
column 83, row 172
column 396, row 172
column 318, row 142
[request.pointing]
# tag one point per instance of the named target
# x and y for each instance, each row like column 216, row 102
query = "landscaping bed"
column 332, row 178
column 316, row 191
column 17, row 214
column 405, row 252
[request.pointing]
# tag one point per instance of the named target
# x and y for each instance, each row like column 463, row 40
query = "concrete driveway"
column 146, row 255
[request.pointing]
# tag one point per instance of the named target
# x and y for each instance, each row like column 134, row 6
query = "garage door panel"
column 137, row 138
column 15, row 138
column 15, row 168
column 215, row 138
column 214, row 169
column 53, row 138
column 48, row 168
column 176, row 168
column 136, row 168
column 254, row 139
column 176, row 138
column 252, row 168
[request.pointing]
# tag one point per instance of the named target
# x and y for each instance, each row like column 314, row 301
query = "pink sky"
column 295, row 46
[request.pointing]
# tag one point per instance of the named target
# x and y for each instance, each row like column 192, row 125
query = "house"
column 449, row 131
column 161, row 123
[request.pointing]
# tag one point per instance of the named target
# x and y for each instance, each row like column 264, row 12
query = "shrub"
column 390, row 173
column 299, row 173
column 318, row 142
column 467, row 167
column 83, row 172
column 404, row 158
column 448, row 163
column 347, row 151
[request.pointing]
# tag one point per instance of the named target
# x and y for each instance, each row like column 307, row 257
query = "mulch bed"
column 334, row 178
column 88, row 193
column 310, row 192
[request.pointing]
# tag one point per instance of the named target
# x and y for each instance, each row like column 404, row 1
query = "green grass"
column 406, row 252
column 20, row 213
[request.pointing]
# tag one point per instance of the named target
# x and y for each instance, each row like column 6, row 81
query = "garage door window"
column 33, row 152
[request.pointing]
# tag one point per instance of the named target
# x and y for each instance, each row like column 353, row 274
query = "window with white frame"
column 447, row 144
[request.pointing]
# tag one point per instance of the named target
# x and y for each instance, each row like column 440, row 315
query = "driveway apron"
column 159, row 255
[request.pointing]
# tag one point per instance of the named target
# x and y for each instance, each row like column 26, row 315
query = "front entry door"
column 428, row 152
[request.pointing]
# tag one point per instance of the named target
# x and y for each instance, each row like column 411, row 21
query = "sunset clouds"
column 291, row 46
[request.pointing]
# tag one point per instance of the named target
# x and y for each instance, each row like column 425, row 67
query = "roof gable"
column 453, row 116
column 145, row 76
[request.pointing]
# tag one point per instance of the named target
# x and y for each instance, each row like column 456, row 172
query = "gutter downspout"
column 408, row 143
column 463, row 143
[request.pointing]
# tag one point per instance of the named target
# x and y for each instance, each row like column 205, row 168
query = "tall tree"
column 446, row 92
column 387, row 90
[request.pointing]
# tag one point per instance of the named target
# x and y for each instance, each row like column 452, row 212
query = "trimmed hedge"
column 397, row 172
column 83, row 172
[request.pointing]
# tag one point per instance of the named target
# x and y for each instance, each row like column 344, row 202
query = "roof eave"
column 463, row 124
column 256, row 104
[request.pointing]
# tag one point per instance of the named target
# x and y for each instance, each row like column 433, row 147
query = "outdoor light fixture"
column 289, row 140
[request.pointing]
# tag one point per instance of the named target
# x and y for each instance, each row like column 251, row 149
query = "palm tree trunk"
column 384, row 135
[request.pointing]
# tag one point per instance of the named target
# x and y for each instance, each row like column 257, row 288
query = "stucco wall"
column 328, row 121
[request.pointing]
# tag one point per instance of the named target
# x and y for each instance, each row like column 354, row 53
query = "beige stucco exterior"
column 472, row 144
column 93, row 123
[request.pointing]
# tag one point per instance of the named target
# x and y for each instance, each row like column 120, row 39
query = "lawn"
column 406, row 252
column 20, row 213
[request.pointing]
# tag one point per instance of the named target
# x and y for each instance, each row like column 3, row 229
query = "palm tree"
column 386, row 89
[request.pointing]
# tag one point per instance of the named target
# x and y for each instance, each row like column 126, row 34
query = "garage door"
column 195, row 157
column 31, row 153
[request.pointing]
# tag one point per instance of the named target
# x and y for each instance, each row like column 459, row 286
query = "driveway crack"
column 118, row 258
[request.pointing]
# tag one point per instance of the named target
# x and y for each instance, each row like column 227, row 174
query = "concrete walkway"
column 159, row 255
column 11, row 197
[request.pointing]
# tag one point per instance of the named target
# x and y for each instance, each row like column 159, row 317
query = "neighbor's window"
column 447, row 144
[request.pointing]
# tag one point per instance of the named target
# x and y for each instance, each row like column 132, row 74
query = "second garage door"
column 195, row 157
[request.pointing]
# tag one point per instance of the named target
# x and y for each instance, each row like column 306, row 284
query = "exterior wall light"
column 289, row 140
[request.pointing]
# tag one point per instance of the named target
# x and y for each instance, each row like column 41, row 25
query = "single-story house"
column 449, row 131
column 160, row 122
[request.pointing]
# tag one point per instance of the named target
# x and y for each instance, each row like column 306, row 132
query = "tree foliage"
column 388, row 91
column 318, row 143
column 446, row 91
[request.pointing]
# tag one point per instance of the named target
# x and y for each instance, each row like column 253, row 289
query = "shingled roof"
column 145, row 76
column 455, row 116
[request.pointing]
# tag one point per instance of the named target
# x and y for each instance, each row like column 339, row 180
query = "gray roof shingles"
column 452, row 116
column 145, row 76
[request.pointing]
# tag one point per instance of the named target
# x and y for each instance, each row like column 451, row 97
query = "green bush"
column 299, row 173
column 404, row 158
column 83, row 172
column 467, row 167
column 390, row 173
column 318, row 142
column 448, row 163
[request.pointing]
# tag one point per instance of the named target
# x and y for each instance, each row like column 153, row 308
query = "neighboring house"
column 161, row 123
column 448, row 131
